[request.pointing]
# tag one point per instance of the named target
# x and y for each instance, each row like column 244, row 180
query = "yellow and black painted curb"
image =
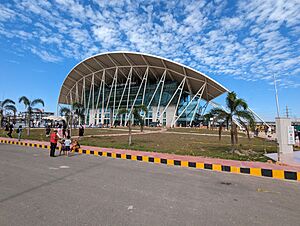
column 272, row 173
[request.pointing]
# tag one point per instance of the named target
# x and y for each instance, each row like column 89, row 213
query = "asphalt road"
column 88, row 190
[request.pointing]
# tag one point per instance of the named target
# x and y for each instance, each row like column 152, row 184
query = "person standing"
column 81, row 131
column 68, row 143
column 19, row 132
column 64, row 130
column 11, row 128
column 53, row 143
column 6, row 127
column 48, row 130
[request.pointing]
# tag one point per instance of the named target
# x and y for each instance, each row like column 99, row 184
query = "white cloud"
column 249, row 40
column 6, row 13
column 46, row 56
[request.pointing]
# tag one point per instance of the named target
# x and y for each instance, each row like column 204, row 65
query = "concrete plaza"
column 89, row 190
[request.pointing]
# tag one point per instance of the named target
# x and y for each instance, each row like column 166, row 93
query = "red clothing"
column 53, row 138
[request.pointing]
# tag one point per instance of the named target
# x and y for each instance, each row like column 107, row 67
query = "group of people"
column 64, row 132
column 10, row 128
column 67, row 145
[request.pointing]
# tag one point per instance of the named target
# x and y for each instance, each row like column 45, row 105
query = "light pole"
column 278, row 116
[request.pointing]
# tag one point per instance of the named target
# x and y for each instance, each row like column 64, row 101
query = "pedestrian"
column 53, row 143
column 48, row 130
column 63, row 147
column 68, row 143
column 11, row 128
column 6, row 127
column 64, row 130
column 19, row 132
column 81, row 131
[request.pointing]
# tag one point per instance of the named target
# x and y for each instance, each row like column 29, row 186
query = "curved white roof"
column 139, row 62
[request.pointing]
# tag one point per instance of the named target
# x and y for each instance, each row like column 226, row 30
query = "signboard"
column 291, row 135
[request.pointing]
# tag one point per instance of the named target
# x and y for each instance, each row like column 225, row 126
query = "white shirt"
column 68, row 143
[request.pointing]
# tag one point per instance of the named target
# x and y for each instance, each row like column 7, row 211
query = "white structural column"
column 121, row 99
column 178, row 102
column 145, row 87
column 99, row 91
column 138, row 92
column 111, row 89
column 161, row 92
column 199, row 93
column 71, row 98
column 115, row 94
column 204, row 108
column 88, row 109
column 84, row 97
column 77, row 93
column 180, row 87
column 103, row 98
column 161, row 81
column 128, row 94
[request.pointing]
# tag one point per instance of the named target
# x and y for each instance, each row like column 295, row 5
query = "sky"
column 240, row 44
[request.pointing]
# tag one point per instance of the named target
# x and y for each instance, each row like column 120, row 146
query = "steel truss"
column 92, row 102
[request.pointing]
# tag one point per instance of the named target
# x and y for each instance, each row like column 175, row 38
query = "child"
column 63, row 147
column 75, row 146
column 68, row 142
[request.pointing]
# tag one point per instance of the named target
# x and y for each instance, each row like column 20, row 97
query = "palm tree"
column 29, row 105
column 206, row 119
column 237, row 112
column 6, row 105
column 65, row 111
column 137, row 115
column 79, row 111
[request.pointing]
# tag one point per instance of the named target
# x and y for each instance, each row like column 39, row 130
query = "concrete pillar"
column 285, row 135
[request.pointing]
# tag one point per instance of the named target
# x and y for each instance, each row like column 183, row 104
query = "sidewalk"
column 233, row 166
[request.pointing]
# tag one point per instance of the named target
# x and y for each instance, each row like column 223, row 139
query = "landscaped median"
column 231, row 166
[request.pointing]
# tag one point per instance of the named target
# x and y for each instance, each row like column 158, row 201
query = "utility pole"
column 277, row 106
column 287, row 111
column 276, row 96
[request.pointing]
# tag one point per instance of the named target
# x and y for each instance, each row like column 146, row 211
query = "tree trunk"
column 235, row 133
column 232, row 133
column 227, row 125
column 28, row 129
column 220, row 132
column 129, row 127
column 71, row 125
column 232, row 136
column 142, row 125
column 15, row 118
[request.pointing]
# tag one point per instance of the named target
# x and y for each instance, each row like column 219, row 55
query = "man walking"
column 11, row 128
column 53, row 143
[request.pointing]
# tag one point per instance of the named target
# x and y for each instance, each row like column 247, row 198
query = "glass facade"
column 112, row 101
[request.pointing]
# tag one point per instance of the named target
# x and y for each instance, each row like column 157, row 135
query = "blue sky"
column 241, row 44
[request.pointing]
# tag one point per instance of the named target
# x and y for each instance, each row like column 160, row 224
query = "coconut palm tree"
column 6, row 105
column 29, row 105
column 237, row 110
column 206, row 119
column 79, row 111
column 137, row 115
column 65, row 111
